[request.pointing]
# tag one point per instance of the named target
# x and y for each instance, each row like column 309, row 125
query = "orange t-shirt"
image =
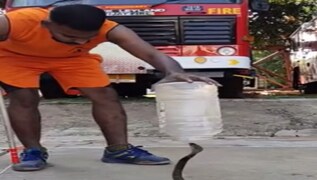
column 28, row 37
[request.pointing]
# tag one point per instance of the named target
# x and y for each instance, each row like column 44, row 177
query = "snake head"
column 196, row 148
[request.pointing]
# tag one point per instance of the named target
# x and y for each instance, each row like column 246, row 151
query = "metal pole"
column 13, row 150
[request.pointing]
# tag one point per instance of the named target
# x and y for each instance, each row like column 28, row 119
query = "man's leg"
column 111, row 118
column 26, row 123
column 25, row 117
column 109, row 114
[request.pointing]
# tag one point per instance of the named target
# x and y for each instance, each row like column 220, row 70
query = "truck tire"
column 310, row 88
column 130, row 89
column 231, row 87
column 50, row 88
column 296, row 77
column 137, row 89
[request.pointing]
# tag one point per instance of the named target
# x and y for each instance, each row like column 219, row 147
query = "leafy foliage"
column 284, row 17
column 273, row 28
column 275, row 65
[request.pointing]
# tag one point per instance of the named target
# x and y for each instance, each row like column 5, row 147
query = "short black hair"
column 79, row 17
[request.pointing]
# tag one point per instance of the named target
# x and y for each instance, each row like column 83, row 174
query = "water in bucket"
column 188, row 111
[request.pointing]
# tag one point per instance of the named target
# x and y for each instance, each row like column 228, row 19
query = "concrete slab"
column 218, row 163
column 4, row 164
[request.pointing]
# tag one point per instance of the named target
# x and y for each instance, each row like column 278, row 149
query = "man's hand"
column 175, row 77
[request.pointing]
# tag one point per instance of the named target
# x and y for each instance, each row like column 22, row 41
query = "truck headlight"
column 227, row 51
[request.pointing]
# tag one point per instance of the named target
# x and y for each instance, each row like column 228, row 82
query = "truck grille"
column 184, row 30
column 208, row 30
column 155, row 30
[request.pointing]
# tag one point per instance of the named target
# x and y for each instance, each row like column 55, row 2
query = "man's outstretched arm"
column 131, row 42
column 4, row 27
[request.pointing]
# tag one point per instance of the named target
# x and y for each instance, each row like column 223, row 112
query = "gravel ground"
column 241, row 117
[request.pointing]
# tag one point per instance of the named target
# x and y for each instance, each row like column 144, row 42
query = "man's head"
column 75, row 24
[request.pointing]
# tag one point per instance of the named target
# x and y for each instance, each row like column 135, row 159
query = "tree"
column 273, row 27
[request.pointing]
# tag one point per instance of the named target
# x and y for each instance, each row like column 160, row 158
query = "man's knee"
column 28, row 97
column 101, row 94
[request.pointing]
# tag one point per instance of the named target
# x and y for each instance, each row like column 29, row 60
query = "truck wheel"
column 310, row 88
column 130, row 89
column 137, row 89
column 50, row 88
column 296, row 78
column 231, row 87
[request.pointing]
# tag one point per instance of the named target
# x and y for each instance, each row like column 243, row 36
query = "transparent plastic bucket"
column 188, row 111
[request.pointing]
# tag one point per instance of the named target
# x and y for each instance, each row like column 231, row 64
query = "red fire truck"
column 207, row 37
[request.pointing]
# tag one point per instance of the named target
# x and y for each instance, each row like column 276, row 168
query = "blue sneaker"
column 134, row 155
column 32, row 159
